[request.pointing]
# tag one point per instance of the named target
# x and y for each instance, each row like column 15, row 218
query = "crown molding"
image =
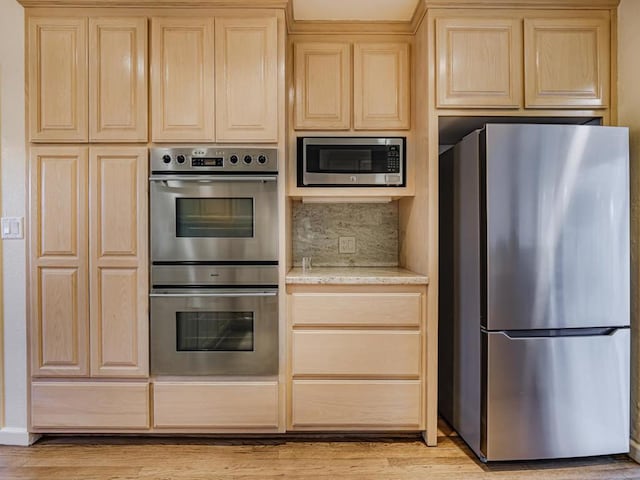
column 279, row 4
column 550, row 4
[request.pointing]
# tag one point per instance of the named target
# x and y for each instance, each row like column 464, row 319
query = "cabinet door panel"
column 59, row 286
column 118, row 79
column 567, row 62
column 478, row 62
column 57, row 58
column 182, row 79
column 246, row 79
column 118, row 246
column 322, row 85
column 381, row 86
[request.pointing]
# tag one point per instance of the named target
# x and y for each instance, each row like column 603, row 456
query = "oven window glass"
column 214, row 331
column 214, row 217
column 345, row 160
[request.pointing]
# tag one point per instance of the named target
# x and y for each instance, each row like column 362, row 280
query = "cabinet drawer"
column 211, row 405
column 356, row 352
column 356, row 405
column 71, row 405
column 393, row 309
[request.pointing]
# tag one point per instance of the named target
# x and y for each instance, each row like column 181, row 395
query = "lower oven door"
column 230, row 332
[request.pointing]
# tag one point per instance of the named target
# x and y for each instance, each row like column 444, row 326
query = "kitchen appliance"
column 214, row 261
column 351, row 161
column 534, row 291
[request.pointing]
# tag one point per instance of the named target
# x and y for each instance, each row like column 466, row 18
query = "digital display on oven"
column 207, row 162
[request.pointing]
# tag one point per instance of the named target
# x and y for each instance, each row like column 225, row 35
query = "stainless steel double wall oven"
column 214, row 261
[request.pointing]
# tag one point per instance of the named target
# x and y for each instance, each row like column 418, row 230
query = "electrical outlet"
column 12, row 227
column 347, row 245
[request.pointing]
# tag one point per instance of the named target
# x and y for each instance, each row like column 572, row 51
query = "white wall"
column 13, row 186
column 629, row 115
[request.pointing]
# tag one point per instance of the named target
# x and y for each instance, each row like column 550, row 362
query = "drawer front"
column 356, row 405
column 356, row 352
column 91, row 405
column 392, row 309
column 215, row 405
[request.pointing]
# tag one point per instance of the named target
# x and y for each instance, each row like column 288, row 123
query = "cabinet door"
column 57, row 64
column 118, row 79
column 479, row 62
column 59, row 286
column 567, row 62
column 381, row 86
column 247, row 79
column 182, row 79
column 322, row 73
column 118, row 261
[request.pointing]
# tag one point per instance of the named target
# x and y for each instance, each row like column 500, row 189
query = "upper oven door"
column 211, row 219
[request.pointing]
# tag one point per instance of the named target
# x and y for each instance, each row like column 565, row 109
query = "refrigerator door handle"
column 562, row 332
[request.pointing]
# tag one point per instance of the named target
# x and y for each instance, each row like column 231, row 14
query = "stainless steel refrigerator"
column 534, row 291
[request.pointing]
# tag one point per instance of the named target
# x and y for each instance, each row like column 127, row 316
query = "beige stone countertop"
column 355, row 275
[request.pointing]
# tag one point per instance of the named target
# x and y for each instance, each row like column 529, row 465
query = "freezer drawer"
column 554, row 397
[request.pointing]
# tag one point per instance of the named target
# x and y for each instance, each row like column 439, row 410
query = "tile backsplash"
column 317, row 228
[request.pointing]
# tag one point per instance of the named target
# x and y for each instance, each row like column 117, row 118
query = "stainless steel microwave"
column 351, row 161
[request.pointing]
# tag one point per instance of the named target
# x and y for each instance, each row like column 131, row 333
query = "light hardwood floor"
column 370, row 458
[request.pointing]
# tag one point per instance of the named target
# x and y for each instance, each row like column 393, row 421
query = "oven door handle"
column 269, row 293
column 166, row 179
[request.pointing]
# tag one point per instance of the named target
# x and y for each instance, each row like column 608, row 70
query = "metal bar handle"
column 220, row 294
column 210, row 179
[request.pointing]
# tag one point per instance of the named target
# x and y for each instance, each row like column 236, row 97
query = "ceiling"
column 354, row 10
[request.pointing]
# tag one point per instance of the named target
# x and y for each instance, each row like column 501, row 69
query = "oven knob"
column 262, row 159
column 248, row 159
column 180, row 159
column 233, row 159
column 166, row 159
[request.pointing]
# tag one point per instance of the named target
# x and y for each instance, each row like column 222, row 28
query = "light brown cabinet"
column 239, row 63
column 381, row 86
column 356, row 357
column 322, row 85
column 117, row 79
column 481, row 60
column 87, row 79
column 58, row 79
column 567, row 61
column 334, row 79
column 81, row 257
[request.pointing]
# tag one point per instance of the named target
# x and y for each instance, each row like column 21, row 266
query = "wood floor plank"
column 322, row 458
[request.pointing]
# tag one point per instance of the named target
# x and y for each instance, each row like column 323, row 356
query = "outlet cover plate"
column 347, row 245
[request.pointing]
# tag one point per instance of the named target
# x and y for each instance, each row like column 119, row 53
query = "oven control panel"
column 214, row 159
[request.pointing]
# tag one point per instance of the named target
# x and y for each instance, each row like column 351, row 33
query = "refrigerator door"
column 554, row 397
column 557, row 226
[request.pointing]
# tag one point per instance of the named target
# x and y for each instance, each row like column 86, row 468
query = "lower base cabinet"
column 216, row 405
column 356, row 405
column 89, row 406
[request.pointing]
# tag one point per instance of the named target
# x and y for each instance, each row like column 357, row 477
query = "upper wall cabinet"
column 247, row 79
column 322, row 85
column 566, row 62
column 480, row 60
column 57, row 79
column 239, row 63
column 182, row 79
column 80, row 94
column 118, row 79
column 381, row 86
column 325, row 94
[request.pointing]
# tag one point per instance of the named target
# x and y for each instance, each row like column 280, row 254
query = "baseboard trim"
column 634, row 450
column 17, row 436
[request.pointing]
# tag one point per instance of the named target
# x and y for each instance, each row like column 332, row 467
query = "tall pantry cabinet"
column 87, row 84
